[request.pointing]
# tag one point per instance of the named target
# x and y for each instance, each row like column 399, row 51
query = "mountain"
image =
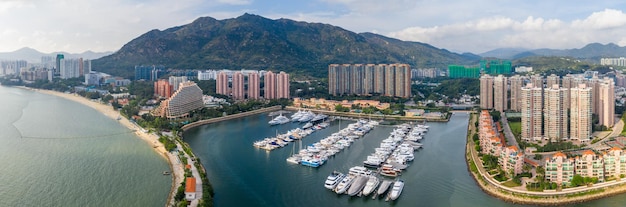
column 503, row 53
column 254, row 42
column 591, row 52
column 34, row 56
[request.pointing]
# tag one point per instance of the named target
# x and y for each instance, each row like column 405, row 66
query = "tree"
column 340, row 108
column 577, row 180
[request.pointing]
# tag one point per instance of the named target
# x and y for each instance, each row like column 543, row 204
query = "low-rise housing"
column 559, row 169
column 590, row 165
column 190, row 188
column 320, row 103
column 511, row 160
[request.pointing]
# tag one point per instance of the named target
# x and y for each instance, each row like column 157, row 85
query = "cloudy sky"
column 462, row 26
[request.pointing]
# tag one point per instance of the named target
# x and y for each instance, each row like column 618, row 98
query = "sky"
column 473, row 26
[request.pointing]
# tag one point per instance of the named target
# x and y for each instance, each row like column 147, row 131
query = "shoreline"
column 563, row 198
column 152, row 139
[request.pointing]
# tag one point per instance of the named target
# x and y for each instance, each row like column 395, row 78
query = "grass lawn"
column 510, row 184
column 516, row 127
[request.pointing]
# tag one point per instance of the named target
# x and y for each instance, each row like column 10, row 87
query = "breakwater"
column 229, row 117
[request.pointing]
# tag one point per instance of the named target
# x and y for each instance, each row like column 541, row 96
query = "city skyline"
column 514, row 24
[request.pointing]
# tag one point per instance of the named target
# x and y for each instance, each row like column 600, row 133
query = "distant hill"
column 591, row 52
column 34, row 56
column 254, row 42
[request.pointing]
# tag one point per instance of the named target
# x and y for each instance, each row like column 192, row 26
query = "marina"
column 247, row 176
column 318, row 153
column 390, row 159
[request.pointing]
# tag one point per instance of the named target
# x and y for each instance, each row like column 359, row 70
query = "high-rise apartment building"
column 500, row 93
column 282, row 85
column 532, row 108
column 580, row 113
column 516, row 86
column 537, row 81
column 70, row 68
column 254, row 86
column 270, row 85
column 222, row 84
column 238, row 91
column 486, row 92
column 606, row 102
column 57, row 68
column 552, row 80
column 555, row 115
column 163, row 88
column 176, row 80
column 388, row 80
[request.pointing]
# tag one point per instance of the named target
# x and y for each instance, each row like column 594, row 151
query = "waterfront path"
column 371, row 116
column 229, row 117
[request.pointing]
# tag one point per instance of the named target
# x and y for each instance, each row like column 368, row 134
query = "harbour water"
column 246, row 176
column 55, row 152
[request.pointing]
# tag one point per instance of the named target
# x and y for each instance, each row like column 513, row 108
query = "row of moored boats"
column 318, row 153
column 360, row 181
column 300, row 116
column 390, row 159
column 281, row 140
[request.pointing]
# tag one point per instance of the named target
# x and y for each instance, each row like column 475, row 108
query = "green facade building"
column 496, row 67
column 459, row 71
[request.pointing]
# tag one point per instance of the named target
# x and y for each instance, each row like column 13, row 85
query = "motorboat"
column 371, row 185
column 294, row 159
column 372, row 161
column 359, row 170
column 389, row 171
column 396, row 190
column 357, row 185
column 333, row 180
column 307, row 125
column 307, row 116
column 383, row 187
column 280, row 119
column 296, row 116
column 345, row 183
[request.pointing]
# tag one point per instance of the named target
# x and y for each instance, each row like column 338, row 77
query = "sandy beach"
column 152, row 139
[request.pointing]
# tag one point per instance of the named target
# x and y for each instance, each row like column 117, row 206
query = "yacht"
column 389, row 171
column 359, row 170
column 295, row 159
column 357, row 185
column 345, row 183
column 333, row 180
column 307, row 125
column 297, row 115
column 307, row 116
column 280, row 119
column 371, row 185
column 383, row 187
column 372, row 161
column 396, row 190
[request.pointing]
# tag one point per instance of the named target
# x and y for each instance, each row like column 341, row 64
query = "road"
column 510, row 138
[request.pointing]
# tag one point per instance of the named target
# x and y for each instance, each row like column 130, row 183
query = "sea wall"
column 229, row 117
column 547, row 198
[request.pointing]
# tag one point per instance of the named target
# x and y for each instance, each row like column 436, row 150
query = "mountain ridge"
column 255, row 42
column 34, row 56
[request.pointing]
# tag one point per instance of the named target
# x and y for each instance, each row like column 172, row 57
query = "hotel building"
column 188, row 97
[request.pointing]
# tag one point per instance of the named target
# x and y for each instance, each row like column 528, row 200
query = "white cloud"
column 534, row 32
column 235, row 2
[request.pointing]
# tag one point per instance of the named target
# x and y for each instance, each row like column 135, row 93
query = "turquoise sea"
column 55, row 152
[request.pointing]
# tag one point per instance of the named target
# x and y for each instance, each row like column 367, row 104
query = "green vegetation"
column 516, row 128
column 168, row 143
column 590, row 192
column 553, row 65
column 447, row 89
column 511, row 184
column 490, row 161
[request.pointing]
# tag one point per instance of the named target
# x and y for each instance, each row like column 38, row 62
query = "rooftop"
column 190, row 185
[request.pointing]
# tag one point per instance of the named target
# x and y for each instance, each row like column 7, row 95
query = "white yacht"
column 357, row 185
column 383, row 187
column 371, row 185
column 280, row 119
column 359, row 170
column 396, row 190
column 333, row 180
column 343, row 186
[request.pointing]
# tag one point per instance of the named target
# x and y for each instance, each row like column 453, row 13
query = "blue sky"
column 462, row 26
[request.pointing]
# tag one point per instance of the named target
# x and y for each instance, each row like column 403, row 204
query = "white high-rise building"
column 580, row 113
column 499, row 93
column 207, row 75
column 175, row 81
column 70, row 68
column 606, row 102
column 555, row 114
column 531, row 108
